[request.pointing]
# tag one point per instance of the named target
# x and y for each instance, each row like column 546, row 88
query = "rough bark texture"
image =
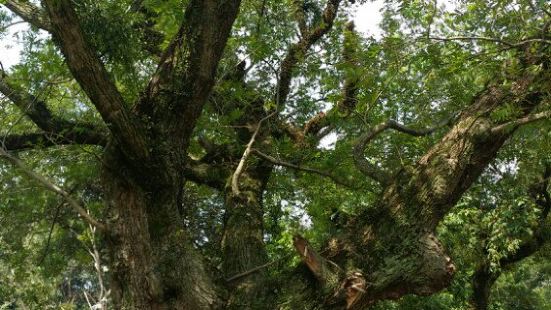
column 154, row 263
column 385, row 252
column 243, row 241
column 390, row 250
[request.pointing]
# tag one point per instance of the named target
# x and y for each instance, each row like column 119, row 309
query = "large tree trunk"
column 153, row 262
column 243, row 245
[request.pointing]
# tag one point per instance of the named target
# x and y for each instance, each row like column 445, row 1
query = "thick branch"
column 52, row 187
column 297, row 51
column 186, row 73
column 76, row 135
column 207, row 174
column 92, row 76
column 56, row 131
column 29, row 13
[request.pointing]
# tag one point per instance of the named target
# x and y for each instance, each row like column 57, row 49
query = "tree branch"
column 29, row 13
column 484, row 277
column 512, row 125
column 349, row 90
column 299, row 49
column 326, row 174
column 53, row 188
column 56, row 131
column 300, row 16
column 489, row 39
column 19, row 142
column 246, row 153
column 373, row 171
column 207, row 174
column 92, row 76
column 185, row 75
column 31, row 106
column 328, row 274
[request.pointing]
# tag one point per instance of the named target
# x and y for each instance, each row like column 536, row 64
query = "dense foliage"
column 431, row 63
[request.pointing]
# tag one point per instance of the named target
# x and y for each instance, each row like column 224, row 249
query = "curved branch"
column 326, row 174
column 368, row 168
column 53, row 188
column 29, row 13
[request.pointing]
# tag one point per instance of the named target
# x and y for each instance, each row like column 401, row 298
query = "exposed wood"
column 246, row 153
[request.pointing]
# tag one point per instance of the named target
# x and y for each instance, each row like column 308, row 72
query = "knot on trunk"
column 437, row 268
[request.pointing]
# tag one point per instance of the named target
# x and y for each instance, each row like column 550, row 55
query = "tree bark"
column 391, row 249
column 243, row 245
column 153, row 262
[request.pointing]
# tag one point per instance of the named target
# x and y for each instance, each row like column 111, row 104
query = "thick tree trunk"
column 153, row 262
column 243, row 245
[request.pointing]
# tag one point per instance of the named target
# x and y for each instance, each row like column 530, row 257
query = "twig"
column 277, row 162
column 373, row 171
column 496, row 40
column 255, row 269
column 239, row 169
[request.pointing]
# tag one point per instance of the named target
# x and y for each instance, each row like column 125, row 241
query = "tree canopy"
column 265, row 154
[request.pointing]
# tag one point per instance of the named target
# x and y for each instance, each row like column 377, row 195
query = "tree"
column 219, row 93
